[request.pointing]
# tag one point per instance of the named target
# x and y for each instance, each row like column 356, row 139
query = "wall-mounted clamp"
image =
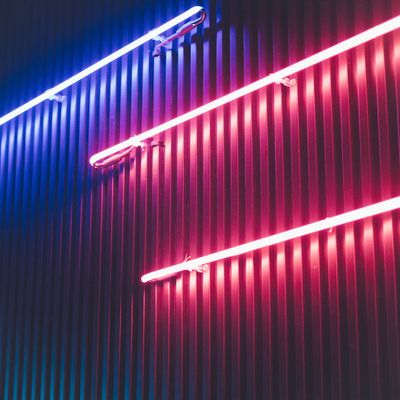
column 288, row 82
column 59, row 98
column 180, row 32
column 198, row 268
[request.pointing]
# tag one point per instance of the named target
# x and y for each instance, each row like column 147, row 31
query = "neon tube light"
column 328, row 223
column 123, row 147
column 50, row 93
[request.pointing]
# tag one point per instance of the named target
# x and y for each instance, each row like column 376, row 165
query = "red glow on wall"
column 200, row 263
column 280, row 76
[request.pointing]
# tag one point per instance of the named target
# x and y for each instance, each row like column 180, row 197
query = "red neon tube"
column 328, row 223
column 115, row 153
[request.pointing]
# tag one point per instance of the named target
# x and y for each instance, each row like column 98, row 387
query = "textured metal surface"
column 314, row 318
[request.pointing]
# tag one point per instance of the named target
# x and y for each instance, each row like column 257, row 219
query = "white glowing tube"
column 328, row 223
column 50, row 93
column 339, row 48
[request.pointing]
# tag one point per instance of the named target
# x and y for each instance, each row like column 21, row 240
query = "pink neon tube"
column 351, row 216
column 123, row 147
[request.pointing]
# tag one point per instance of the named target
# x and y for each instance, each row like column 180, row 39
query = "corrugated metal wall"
column 315, row 318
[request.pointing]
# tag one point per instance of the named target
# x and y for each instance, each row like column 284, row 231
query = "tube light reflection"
column 278, row 76
column 314, row 227
column 50, row 93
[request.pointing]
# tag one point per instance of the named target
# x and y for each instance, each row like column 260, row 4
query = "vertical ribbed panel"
column 313, row 318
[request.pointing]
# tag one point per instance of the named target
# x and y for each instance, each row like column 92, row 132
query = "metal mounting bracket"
column 59, row 98
column 288, row 82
